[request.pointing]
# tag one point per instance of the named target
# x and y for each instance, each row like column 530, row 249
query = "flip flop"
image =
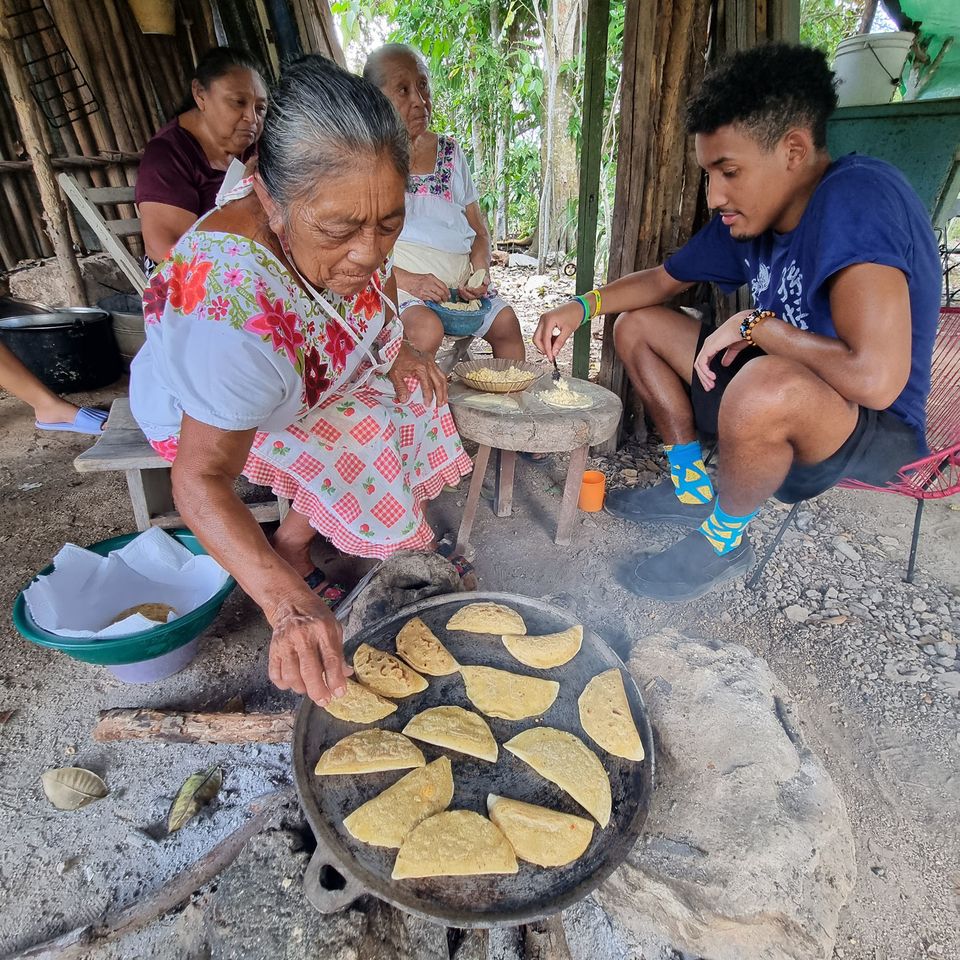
column 87, row 420
column 460, row 563
column 331, row 594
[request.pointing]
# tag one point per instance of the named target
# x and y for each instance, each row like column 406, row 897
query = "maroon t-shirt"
column 175, row 170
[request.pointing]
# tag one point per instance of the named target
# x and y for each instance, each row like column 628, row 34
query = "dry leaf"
column 198, row 790
column 234, row 705
column 69, row 788
column 5, row 715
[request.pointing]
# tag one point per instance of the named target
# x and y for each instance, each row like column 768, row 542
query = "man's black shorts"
column 881, row 443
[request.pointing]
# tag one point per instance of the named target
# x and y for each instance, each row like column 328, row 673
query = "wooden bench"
column 122, row 446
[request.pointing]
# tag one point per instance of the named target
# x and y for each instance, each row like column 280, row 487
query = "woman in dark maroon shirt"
column 183, row 165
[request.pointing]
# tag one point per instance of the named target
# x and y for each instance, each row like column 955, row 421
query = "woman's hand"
column 727, row 338
column 426, row 286
column 306, row 650
column 468, row 293
column 411, row 364
column 566, row 319
column 473, row 293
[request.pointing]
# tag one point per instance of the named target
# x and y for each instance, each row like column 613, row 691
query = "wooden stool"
column 122, row 446
column 526, row 423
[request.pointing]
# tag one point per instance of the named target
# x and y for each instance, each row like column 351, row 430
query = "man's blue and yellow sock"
column 723, row 531
column 691, row 483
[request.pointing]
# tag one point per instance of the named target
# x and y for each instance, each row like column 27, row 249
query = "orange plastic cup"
column 592, row 489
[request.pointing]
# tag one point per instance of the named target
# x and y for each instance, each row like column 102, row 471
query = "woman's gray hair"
column 322, row 121
column 374, row 69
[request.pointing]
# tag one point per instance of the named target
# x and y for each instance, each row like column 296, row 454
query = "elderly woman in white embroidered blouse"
column 445, row 239
column 273, row 351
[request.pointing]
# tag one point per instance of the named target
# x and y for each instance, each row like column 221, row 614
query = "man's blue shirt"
column 862, row 211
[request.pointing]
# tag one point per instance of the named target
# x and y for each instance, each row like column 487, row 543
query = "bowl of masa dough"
column 146, row 656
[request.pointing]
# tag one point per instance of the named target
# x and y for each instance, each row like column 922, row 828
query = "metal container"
column 126, row 309
column 68, row 349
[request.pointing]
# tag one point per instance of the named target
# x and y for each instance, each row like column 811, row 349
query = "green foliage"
column 484, row 82
column 824, row 23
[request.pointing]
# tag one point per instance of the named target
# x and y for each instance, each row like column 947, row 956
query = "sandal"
column 461, row 564
column 332, row 594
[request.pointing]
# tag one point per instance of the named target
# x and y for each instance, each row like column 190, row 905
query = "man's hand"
column 566, row 319
column 426, row 286
column 306, row 651
column 413, row 365
column 726, row 338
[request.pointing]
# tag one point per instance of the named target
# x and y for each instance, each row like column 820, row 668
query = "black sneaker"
column 657, row 504
column 688, row 569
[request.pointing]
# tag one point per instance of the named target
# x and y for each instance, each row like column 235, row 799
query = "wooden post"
column 54, row 214
column 594, row 84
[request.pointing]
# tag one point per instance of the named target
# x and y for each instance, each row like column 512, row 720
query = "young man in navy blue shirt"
column 828, row 376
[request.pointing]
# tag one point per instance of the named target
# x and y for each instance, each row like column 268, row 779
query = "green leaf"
column 198, row 790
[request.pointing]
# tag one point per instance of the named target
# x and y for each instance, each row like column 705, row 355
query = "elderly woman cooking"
column 445, row 243
column 273, row 350
column 184, row 163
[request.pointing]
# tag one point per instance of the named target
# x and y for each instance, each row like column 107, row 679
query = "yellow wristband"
column 596, row 297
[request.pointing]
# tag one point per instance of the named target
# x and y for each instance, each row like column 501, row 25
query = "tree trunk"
column 31, row 129
column 560, row 31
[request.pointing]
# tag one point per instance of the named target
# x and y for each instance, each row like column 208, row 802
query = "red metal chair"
column 935, row 476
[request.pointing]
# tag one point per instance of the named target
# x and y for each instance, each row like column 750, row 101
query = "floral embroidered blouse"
column 234, row 342
column 436, row 202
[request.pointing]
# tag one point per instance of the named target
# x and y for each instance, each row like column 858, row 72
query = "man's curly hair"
column 766, row 90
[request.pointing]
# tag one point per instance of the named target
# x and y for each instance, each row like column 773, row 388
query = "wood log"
column 546, row 940
column 30, row 127
column 78, row 943
column 174, row 726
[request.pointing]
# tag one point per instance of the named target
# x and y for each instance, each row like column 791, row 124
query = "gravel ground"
column 872, row 661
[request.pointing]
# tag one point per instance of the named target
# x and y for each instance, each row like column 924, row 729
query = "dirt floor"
column 870, row 659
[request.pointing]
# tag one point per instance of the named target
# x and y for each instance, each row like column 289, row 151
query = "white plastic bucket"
column 868, row 67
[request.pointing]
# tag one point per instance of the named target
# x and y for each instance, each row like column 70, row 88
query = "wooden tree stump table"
column 509, row 423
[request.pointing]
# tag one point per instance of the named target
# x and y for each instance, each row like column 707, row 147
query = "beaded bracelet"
column 748, row 324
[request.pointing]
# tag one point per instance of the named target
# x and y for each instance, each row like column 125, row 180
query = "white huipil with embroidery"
column 235, row 342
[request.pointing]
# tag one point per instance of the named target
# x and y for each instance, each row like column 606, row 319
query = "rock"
column 919, row 605
column 796, row 614
column 845, row 549
column 42, row 281
column 948, row 683
column 522, row 260
column 945, row 649
column 407, row 577
column 747, row 851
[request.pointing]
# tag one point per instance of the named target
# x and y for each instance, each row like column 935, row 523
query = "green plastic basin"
column 137, row 646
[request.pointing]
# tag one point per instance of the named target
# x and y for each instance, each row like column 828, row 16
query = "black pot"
column 69, row 349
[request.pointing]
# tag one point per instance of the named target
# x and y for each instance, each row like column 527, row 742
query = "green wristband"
column 582, row 300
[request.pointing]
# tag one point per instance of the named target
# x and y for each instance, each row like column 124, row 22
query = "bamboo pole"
column 145, row 106
column 30, row 128
column 22, row 201
column 101, row 121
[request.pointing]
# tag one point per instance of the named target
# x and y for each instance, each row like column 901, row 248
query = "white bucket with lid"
column 868, row 67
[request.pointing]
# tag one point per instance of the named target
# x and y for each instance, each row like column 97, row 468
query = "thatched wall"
column 136, row 82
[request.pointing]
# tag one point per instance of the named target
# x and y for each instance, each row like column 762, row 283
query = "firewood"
column 174, row 726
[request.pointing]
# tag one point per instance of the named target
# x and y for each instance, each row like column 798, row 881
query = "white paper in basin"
column 86, row 591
